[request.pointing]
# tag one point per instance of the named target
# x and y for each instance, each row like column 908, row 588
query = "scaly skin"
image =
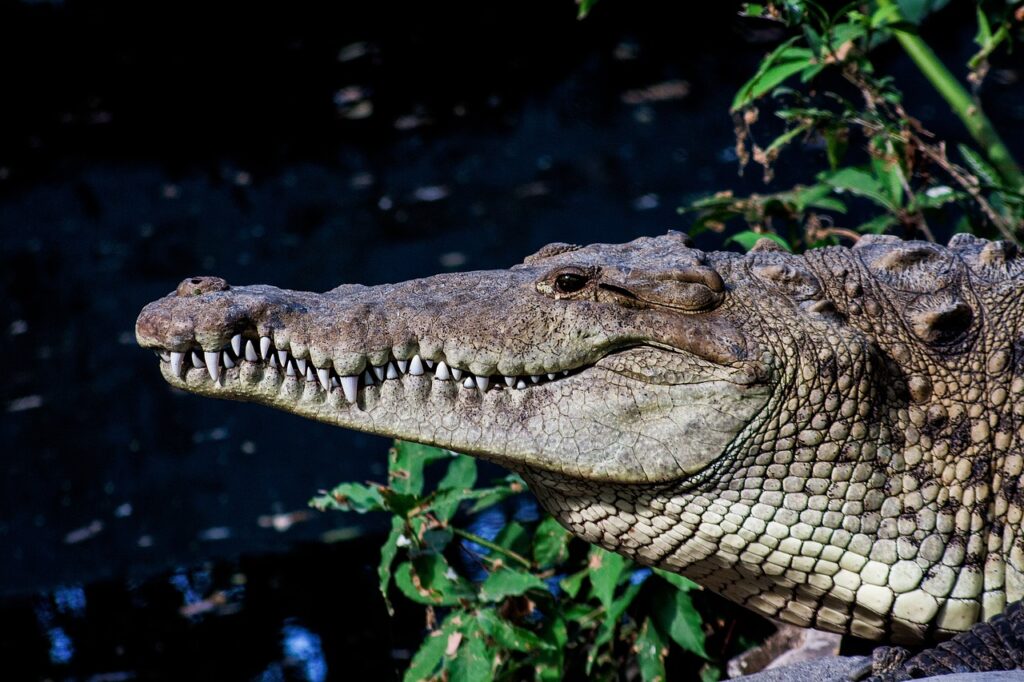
column 834, row 439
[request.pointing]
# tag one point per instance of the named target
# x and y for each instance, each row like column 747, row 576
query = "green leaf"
column 428, row 579
column 785, row 61
column 877, row 225
column 507, row 635
column 431, row 652
column 709, row 672
column 678, row 581
column 548, row 663
column 605, row 570
column 859, row 182
column 980, row 167
column 915, row 11
column 508, row 582
column 571, row 584
column 406, row 462
column 456, row 486
column 515, row 537
column 355, row 497
column 550, row 543
column 677, row 617
column 387, row 556
column 748, row 238
column 473, row 661
column 651, row 649
column 584, row 8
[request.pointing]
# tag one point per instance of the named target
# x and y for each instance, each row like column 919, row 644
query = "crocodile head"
column 787, row 430
column 615, row 363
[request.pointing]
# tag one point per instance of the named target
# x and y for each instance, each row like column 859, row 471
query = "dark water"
column 305, row 146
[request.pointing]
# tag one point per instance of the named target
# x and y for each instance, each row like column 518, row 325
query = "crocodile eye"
column 570, row 282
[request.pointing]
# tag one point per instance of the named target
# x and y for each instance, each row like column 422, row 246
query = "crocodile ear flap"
column 943, row 323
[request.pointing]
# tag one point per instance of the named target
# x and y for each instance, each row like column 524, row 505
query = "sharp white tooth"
column 392, row 371
column 236, row 344
column 416, row 366
column 520, row 384
column 442, row 372
column 469, row 383
column 197, row 361
column 282, row 357
column 228, row 362
column 403, row 365
column 535, row 378
column 482, row 383
column 301, row 364
column 335, row 383
column 212, row 359
column 250, row 352
column 379, row 373
column 552, row 376
column 367, row 378
column 264, row 346
column 310, row 376
column 350, row 386
column 456, row 373
column 176, row 361
column 289, row 368
column 429, row 363
column 273, row 362
column 510, row 381
column 565, row 372
column 324, row 375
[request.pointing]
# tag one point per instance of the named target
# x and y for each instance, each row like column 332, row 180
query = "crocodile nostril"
column 197, row 286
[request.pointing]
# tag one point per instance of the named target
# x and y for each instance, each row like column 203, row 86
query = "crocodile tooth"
column 429, row 363
column 282, row 357
column 310, row 376
column 335, row 382
column 273, row 362
column 469, row 383
column 350, row 386
column 565, row 372
column 250, row 352
column 442, row 372
column 416, row 366
column 264, row 346
column 482, row 383
column 367, row 378
column 176, row 362
column 392, row 371
column 552, row 376
column 456, row 373
column 301, row 364
column 378, row 372
column 228, row 362
column 324, row 374
column 521, row 384
column 197, row 361
column 510, row 381
column 535, row 378
column 403, row 365
column 289, row 368
column 212, row 359
column 236, row 344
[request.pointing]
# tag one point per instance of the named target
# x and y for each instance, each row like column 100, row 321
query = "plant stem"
column 961, row 102
column 492, row 546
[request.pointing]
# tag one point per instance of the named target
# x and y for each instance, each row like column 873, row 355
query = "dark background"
column 301, row 144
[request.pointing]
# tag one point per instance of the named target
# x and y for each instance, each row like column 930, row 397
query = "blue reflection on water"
column 70, row 600
column 61, row 646
column 303, row 649
column 639, row 575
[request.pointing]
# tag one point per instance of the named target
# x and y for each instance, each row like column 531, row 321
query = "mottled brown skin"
column 834, row 439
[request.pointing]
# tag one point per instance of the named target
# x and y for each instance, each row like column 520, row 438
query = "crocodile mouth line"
column 260, row 353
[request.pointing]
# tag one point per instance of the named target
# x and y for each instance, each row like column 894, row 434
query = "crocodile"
column 833, row 439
